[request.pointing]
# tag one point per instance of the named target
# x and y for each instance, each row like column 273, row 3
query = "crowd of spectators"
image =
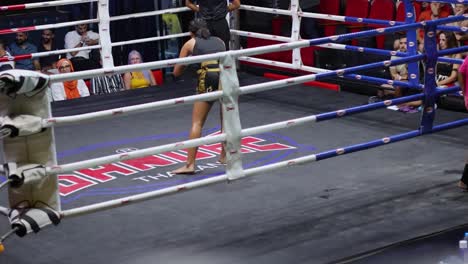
column 446, row 73
column 86, row 59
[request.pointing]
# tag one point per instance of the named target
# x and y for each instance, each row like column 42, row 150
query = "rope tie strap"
column 14, row 82
column 21, row 125
column 4, row 132
column 27, row 220
column 29, row 174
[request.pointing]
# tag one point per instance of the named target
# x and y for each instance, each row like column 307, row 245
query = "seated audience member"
column 460, row 9
column 48, row 44
column 140, row 79
column 435, row 12
column 22, row 46
column 104, row 84
column 447, row 73
column 107, row 84
column 68, row 89
column 400, row 73
column 81, row 37
column 5, row 65
column 397, row 72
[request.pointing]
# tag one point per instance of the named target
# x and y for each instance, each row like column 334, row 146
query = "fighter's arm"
column 186, row 51
column 235, row 4
column 191, row 5
column 462, row 75
column 461, row 81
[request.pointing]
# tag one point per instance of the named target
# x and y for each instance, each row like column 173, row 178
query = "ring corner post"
column 104, row 34
column 295, row 32
column 230, row 115
column 413, row 67
column 430, row 85
column 30, row 152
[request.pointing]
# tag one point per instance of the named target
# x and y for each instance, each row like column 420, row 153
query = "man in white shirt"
column 81, row 37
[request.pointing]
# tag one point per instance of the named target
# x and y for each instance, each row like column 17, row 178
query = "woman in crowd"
column 140, row 79
column 447, row 73
column 68, row 89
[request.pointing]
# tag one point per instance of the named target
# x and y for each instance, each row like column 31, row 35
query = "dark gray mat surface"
column 314, row 213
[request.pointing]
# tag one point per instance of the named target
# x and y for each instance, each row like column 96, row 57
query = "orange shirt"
column 427, row 15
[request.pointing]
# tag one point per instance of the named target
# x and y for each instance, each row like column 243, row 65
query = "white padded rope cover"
column 15, row 82
column 22, row 125
column 32, row 219
column 30, row 99
column 29, row 182
column 231, row 120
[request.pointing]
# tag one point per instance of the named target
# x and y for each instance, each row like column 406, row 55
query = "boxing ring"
column 229, row 97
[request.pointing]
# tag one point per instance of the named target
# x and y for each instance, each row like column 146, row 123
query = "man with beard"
column 82, row 37
column 22, row 47
column 48, row 44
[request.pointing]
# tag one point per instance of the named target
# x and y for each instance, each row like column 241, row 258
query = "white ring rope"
column 55, row 121
column 283, row 65
column 151, row 13
column 67, row 24
column 172, row 62
column 143, row 40
column 49, row 26
column 283, row 39
column 114, row 44
column 267, row 10
column 135, row 154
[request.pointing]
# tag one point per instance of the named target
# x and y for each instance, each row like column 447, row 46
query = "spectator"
column 397, row 72
column 5, row 65
column 435, row 12
column 81, row 37
column 107, row 83
column 22, row 46
column 140, row 79
column 462, row 75
column 400, row 73
column 48, row 44
column 68, row 89
column 460, row 9
column 447, row 72
column 214, row 13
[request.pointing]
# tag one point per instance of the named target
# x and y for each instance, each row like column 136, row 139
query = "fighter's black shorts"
column 208, row 77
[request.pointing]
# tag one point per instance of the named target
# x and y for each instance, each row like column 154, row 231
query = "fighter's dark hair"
column 199, row 28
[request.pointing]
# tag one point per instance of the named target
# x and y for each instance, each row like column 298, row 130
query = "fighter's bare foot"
column 462, row 185
column 222, row 160
column 184, row 170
